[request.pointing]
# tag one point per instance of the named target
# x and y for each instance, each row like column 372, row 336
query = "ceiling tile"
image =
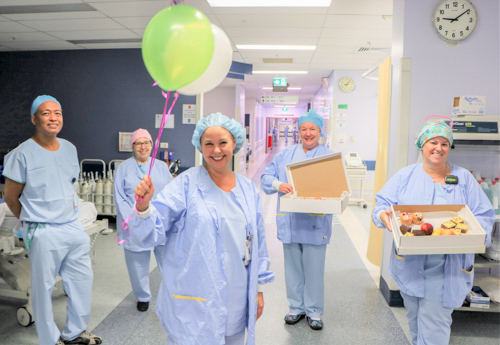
column 354, row 41
column 14, row 27
column 272, row 21
column 358, row 21
column 36, row 2
column 73, row 24
column 25, row 36
column 288, row 40
column 361, row 7
column 54, row 15
column 41, row 45
column 132, row 8
column 288, row 31
column 343, row 33
column 134, row 22
column 273, row 11
column 94, row 34
column 110, row 45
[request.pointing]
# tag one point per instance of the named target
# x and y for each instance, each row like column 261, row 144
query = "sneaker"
column 142, row 306
column 317, row 325
column 86, row 338
column 292, row 319
column 77, row 341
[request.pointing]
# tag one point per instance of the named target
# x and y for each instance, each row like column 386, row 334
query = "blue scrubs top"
column 434, row 264
column 233, row 231
column 49, row 178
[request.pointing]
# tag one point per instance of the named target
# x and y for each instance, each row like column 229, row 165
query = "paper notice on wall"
column 341, row 139
column 189, row 114
column 168, row 124
column 341, row 120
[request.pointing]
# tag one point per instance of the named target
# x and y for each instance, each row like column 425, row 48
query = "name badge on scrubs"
column 248, row 249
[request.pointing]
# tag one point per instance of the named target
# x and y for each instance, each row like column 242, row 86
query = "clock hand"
column 452, row 19
column 456, row 19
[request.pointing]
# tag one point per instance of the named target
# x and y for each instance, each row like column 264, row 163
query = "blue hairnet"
column 41, row 99
column 217, row 119
column 314, row 117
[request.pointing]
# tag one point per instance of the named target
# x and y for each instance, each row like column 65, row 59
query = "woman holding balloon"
column 210, row 221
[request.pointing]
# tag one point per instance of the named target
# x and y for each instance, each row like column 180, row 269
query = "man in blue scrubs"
column 41, row 176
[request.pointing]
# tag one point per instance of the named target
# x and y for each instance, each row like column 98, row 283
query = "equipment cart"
column 356, row 170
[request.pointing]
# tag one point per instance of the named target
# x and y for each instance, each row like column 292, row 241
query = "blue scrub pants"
column 138, row 271
column 60, row 249
column 305, row 278
column 429, row 321
column 236, row 339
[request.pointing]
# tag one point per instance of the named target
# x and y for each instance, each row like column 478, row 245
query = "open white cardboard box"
column 320, row 177
column 436, row 215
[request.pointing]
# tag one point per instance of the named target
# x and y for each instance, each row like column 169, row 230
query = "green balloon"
column 177, row 46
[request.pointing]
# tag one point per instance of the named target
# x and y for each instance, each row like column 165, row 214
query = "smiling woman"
column 210, row 221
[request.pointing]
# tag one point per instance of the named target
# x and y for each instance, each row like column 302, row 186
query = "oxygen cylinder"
column 99, row 190
column 108, row 194
column 84, row 188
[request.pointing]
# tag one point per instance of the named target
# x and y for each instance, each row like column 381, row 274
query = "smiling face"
column 142, row 149
column 48, row 119
column 217, row 145
column 435, row 151
column 310, row 134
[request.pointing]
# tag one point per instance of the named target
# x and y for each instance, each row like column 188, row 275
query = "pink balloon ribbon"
column 153, row 158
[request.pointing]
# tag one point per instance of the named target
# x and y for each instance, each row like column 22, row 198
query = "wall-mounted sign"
column 280, row 99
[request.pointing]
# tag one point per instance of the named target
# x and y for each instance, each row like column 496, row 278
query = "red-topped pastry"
column 406, row 218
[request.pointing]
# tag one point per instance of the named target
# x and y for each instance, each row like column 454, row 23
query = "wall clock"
column 454, row 20
column 346, row 84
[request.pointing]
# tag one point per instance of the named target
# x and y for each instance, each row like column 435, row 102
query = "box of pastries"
column 436, row 229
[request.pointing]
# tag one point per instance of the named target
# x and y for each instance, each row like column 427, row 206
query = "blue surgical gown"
column 186, row 217
column 294, row 227
column 128, row 175
column 413, row 186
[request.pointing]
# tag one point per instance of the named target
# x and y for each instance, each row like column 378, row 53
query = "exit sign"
column 280, row 82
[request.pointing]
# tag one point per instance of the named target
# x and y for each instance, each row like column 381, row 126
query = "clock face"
column 454, row 20
column 346, row 84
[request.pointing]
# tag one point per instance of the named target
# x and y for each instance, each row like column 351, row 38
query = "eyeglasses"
column 144, row 143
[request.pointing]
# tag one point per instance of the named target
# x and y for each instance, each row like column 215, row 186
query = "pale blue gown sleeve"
column 386, row 197
column 479, row 205
column 168, row 212
column 271, row 174
column 122, row 202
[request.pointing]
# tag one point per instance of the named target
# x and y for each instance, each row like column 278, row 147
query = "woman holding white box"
column 304, row 236
column 433, row 285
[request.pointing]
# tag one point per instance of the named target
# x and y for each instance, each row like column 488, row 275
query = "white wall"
column 220, row 99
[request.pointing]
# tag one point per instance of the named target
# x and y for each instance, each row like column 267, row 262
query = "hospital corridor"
column 355, row 311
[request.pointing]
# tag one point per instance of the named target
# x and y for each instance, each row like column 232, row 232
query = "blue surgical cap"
column 217, row 119
column 314, row 117
column 41, row 99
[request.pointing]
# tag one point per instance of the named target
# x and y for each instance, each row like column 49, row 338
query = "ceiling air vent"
column 366, row 50
column 277, row 60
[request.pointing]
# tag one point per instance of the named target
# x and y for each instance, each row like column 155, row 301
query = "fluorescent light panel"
column 279, row 72
column 272, row 47
column 269, row 3
column 285, row 105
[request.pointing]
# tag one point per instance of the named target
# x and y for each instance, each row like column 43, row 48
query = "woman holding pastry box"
column 433, row 285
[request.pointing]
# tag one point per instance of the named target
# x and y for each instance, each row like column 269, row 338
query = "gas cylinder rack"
column 97, row 189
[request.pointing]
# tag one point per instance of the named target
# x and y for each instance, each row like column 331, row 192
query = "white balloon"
column 218, row 68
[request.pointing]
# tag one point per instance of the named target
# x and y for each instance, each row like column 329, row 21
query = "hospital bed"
column 14, row 263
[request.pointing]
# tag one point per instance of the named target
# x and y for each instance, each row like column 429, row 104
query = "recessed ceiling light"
column 272, row 47
column 279, row 72
column 269, row 3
